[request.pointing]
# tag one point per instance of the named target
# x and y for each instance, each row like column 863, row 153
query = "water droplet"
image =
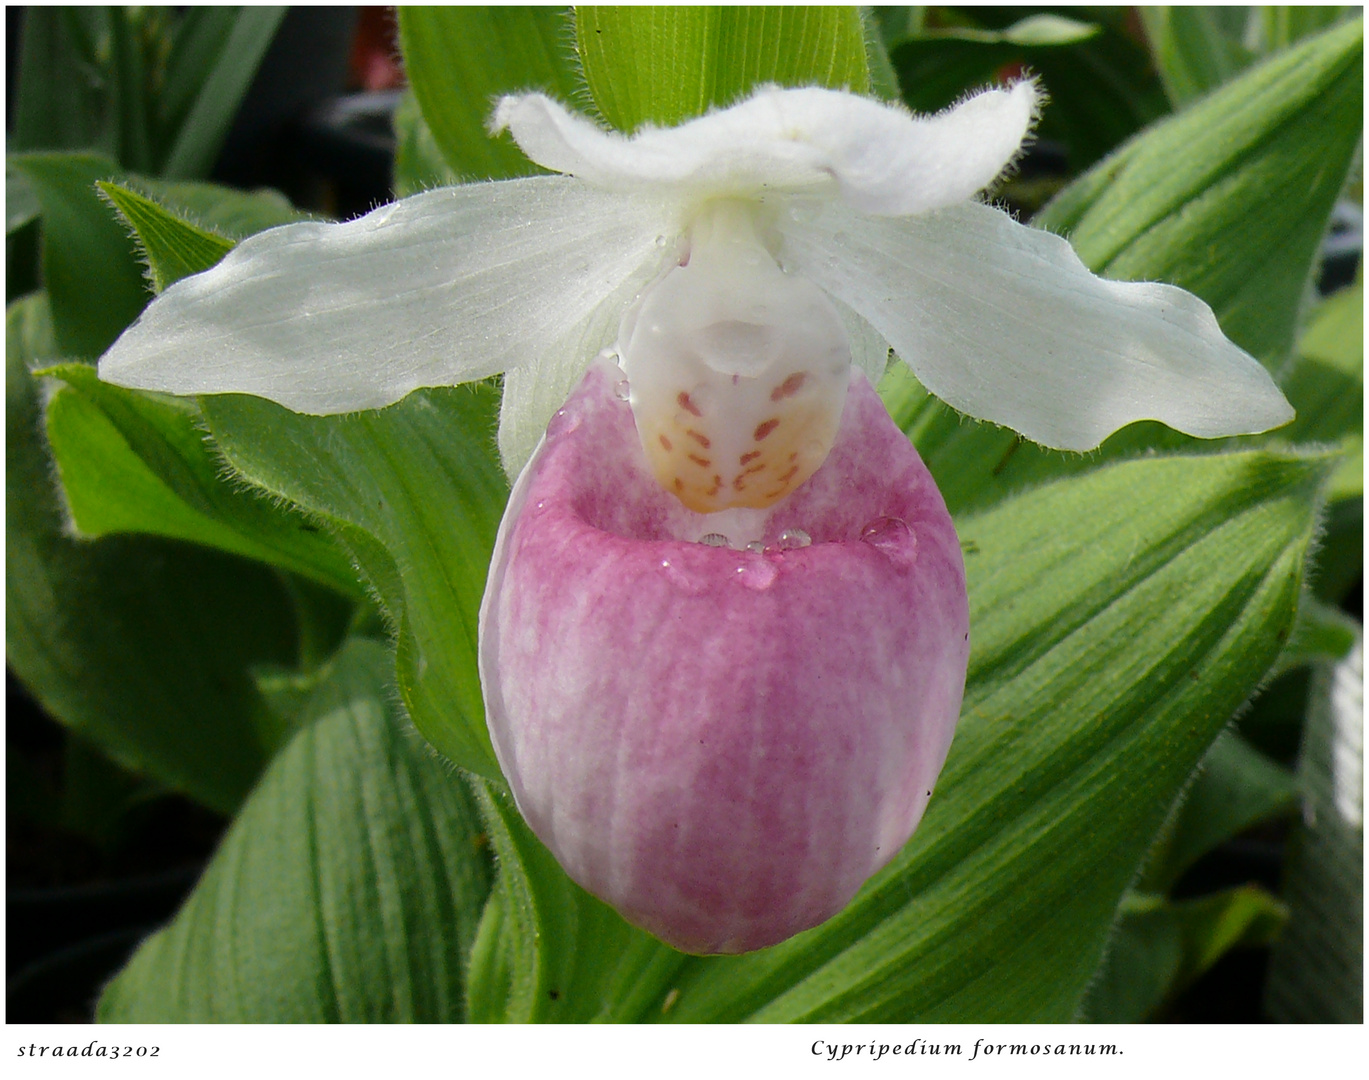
column 892, row 537
column 791, row 539
column 715, row 540
column 660, row 241
column 541, row 503
column 757, row 546
column 757, row 573
column 665, row 564
column 622, row 390
column 564, row 422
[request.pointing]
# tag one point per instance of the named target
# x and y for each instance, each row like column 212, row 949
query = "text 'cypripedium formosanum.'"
column 725, row 632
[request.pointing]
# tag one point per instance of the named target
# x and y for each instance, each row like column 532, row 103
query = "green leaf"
column 1119, row 619
column 172, row 248
column 1234, row 788
column 348, row 890
column 416, row 493
column 459, row 59
column 419, row 164
column 93, row 281
column 1231, row 197
column 21, row 204
column 60, row 104
column 132, row 462
column 225, row 211
column 665, row 65
column 1159, row 947
column 1196, row 49
column 142, row 646
column 1317, row 971
column 1326, row 386
column 203, row 125
column 1320, row 633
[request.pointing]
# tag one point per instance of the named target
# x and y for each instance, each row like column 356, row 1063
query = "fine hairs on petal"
column 880, row 158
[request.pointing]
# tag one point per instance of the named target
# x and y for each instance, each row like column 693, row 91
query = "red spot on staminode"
column 789, row 475
column 754, row 469
column 751, row 456
column 700, row 460
column 679, row 484
column 789, row 387
column 687, row 404
column 666, row 443
column 717, row 486
column 702, row 440
column 764, row 429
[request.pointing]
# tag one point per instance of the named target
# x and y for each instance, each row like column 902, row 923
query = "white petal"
column 869, row 351
column 1005, row 323
column 533, row 392
column 444, row 287
column 882, row 159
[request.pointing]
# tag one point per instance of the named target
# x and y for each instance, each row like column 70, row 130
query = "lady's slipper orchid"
column 724, row 637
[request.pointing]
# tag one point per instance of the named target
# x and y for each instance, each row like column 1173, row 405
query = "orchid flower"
column 725, row 632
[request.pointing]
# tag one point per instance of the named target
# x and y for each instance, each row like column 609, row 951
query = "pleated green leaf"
column 172, row 248
column 416, row 492
column 664, row 65
column 1316, row 974
column 138, row 463
column 348, row 889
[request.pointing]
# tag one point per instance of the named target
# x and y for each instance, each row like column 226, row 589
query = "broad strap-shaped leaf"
column 1234, row 788
column 665, row 65
column 1316, row 974
column 459, row 59
column 416, row 492
column 132, row 462
column 59, row 104
column 1196, row 49
column 93, row 281
column 348, row 889
column 1118, row 620
column 212, row 64
column 141, row 645
column 1160, row 946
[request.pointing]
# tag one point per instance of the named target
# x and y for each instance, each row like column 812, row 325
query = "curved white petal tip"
column 882, row 159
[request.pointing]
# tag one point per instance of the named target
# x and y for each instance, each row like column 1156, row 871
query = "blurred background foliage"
column 178, row 639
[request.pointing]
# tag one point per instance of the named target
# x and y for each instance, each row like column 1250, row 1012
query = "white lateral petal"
column 882, row 159
column 1005, row 323
column 533, row 392
column 441, row 288
column 869, row 351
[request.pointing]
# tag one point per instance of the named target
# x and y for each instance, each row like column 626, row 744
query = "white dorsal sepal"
column 737, row 370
